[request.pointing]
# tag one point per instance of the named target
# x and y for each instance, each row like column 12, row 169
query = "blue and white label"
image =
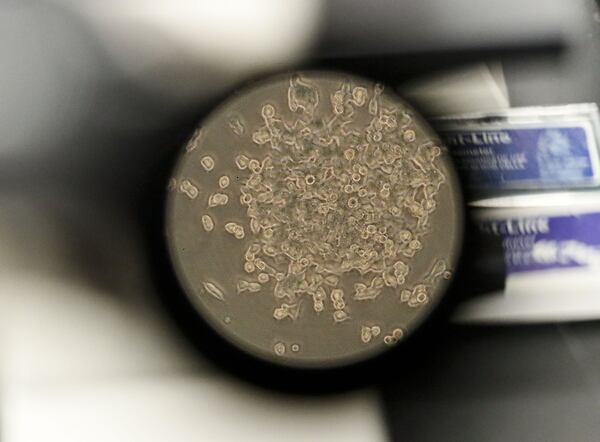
column 534, row 243
column 525, row 157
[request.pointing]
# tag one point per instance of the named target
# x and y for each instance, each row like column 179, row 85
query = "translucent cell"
column 279, row 348
column 241, row 161
column 248, row 286
column 263, row 278
column 409, row 136
column 208, row 223
column 189, row 189
column 359, row 95
column 236, row 125
column 214, row 291
column 340, row 316
column 218, row 199
column 195, row 140
column 207, row 163
column 268, row 111
column 224, row 182
column 365, row 334
column 390, row 340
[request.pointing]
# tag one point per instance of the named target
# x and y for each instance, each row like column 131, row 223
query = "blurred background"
column 95, row 96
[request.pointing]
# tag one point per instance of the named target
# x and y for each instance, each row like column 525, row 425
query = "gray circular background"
column 289, row 325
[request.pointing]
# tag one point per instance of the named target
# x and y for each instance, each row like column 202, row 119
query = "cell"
column 319, row 294
column 224, row 181
column 365, row 334
column 248, row 286
column 340, row 316
column 331, row 280
column 335, row 188
column 362, row 292
column 359, row 95
column 337, row 294
column 390, row 279
column 409, row 135
column 263, row 278
column 269, row 250
column 415, row 244
column 260, row 264
column 207, row 163
column 349, row 154
column 430, row 205
column 254, row 166
column 318, row 306
column 218, row 199
column 405, row 235
column 189, row 189
column 246, row 199
column 194, row 140
column 377, row 136
column 302, row 95
column 241, row 161
column 390, row 340
column 214, row 291
column 261, row 136
column 339, row 304
column 279, row 348
column 237, row 126
column 255, row 226
column 208, row 223
column 231, row 227
column 291, row 311
column 405, row 295
column 374, row 102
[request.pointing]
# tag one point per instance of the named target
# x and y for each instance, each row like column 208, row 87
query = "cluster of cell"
column 343, row 186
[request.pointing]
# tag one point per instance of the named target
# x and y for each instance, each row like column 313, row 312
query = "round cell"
column 339, row 227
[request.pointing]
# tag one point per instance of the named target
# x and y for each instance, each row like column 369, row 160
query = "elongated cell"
column 214, row 291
